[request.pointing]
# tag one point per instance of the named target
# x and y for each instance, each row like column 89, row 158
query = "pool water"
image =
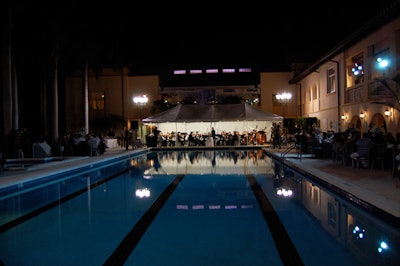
column 189, row 208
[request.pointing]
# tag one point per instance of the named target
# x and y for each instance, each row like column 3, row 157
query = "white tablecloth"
column 111, row 143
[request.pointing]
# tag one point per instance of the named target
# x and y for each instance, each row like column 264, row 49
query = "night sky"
column 155, row 37
column 152, row 36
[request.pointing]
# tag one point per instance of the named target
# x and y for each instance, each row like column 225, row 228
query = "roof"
column 389, row 13
column 213, row 113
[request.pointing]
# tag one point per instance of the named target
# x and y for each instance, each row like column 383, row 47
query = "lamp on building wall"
column 362, row 115
column 344, row 117
column 387, row 113
column 140, row 101
column 383, row 63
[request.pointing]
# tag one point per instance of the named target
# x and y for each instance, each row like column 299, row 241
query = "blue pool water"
column 189, row 208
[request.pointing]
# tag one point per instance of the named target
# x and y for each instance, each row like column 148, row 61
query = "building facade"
column 348, row 87
column 355, row 85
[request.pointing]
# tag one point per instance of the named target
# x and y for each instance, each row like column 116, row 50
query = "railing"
column 292, row 147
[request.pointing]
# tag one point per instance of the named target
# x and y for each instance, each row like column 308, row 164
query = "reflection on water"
column 372, row 240
column 219, row 191
column 203, row 162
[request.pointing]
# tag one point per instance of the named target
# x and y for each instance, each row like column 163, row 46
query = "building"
column 345, row 88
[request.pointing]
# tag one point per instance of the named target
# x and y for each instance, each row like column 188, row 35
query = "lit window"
column 179, row 72
column 242, row 70
column 97, row 100
column 228, row 70
column 331, row 78
column 356, row 69
column 211, row 71
column 196, row 71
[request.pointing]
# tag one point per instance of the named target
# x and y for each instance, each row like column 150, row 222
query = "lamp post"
column 283, row 98
column 140, row 101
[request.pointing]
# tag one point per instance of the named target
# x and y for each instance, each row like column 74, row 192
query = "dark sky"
column 153, row 35
column 254, row 32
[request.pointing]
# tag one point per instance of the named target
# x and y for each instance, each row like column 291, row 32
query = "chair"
column 348, row 148
column 338, row 151
column 316, row 148
column 378, row 155
column 364, row 147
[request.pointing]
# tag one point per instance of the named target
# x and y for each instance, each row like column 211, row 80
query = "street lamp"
column 283, row 98
column 141, row 101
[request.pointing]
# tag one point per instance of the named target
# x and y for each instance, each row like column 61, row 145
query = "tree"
column 388, row 92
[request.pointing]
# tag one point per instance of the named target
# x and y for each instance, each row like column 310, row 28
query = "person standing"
column 127, row 138
column 213, row 134
column 277, row 136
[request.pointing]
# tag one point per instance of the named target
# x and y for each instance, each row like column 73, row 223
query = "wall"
column 119, row 90
column 272, row 83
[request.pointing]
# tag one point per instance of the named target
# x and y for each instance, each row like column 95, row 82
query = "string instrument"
column 253, row 137
column 261, row 137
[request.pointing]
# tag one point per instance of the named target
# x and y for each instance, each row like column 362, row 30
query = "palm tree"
column 391, row 88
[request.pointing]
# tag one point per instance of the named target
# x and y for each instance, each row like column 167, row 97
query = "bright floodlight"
column 382, row 62
column 284, row 97
column 140, row 99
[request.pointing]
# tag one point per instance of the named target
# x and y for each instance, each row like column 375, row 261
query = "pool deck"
column 376, row 187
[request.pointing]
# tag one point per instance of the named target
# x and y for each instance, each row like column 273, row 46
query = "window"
column 228, row 70
column 179, row 72
column 244, row 70
column 381, row 58
column 196, row 71
column 333, row 213
column 331, row 78
column 356, row 69
column 315, row 195
column 97, row 101
column 315, row 92
column 211, row 71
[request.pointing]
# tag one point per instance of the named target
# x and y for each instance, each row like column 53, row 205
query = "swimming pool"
column 201, row 207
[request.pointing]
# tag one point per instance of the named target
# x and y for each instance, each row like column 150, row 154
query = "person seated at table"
column 363, row 145
column 390, row 140
column 93, row 144
column 111, row 133
column 102, row 144
column 127, row 138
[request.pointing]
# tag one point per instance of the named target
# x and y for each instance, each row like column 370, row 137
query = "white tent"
column 222, row 117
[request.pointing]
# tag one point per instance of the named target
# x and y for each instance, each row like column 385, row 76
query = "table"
column 111, row 143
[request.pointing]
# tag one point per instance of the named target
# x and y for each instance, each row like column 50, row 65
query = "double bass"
column 258, row 137
column 253, row 137
column 261, row 137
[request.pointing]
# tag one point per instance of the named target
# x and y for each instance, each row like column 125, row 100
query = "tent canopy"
column 213, row 113
column 223, row 117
